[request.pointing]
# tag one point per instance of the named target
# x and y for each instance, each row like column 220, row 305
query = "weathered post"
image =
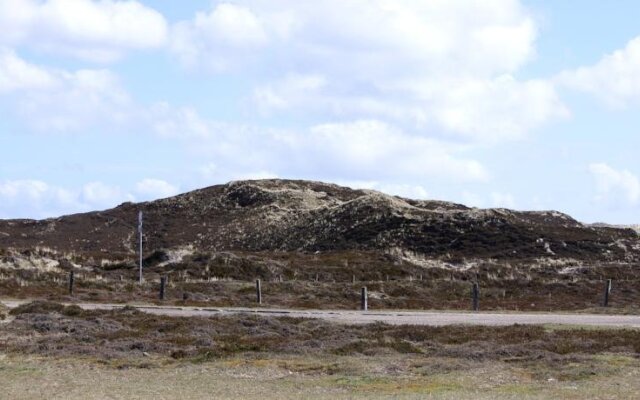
column 163, row 285
column 475, row 294
column 607, row 292
column 140, row 250
column 363, row 299
column 258, row 292
column 71, row 282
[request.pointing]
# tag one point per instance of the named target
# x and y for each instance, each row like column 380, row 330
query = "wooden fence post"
column 71, row 282
column 163, row 285
column 475, row 293
column 607, row 292
column 363, row 299
column 258, row 292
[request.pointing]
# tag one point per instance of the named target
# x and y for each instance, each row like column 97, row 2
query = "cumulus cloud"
column 58, row 100
column 374, row 148
column 494, row 109
column 99, row 31
column 32, row 198
column 101, row 195
column 425, row 65
column 17, row 74
column 360, row 150
column 362, row 36
column 615, row 79
column 35, row 199
column 155, row 189
column 615, row 186
column 220, row 39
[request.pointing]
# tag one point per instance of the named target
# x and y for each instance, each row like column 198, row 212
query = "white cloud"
column 361, row 150
column 496, row 109
column 614, row 79
column 151, row 189
column 344, row 36
column 375, row 149
column 218, row 38
column 423, row 65
column 288, row 93
column 17, row 74
column 615, row 186
column 91, row 30
column 58, row 100
column 100, row 195
column 32, row 198
column 168, row 121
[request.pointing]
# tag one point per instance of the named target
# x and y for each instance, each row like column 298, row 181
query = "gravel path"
column 434, row 318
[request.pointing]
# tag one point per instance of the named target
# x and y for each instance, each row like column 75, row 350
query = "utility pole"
column 140, row 235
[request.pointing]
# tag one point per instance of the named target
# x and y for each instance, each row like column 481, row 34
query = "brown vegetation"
column 53, row 329
column 307, row 240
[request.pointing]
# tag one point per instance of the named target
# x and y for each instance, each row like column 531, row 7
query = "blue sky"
column 497, row 103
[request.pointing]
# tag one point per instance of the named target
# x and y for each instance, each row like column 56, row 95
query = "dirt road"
column 433, row 318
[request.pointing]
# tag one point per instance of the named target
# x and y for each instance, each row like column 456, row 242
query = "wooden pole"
column 363, row 299
column 163, row 285
column 258, row 292
column 140, row 245
column 607, row 292
column 71, row 282
column 475, row 293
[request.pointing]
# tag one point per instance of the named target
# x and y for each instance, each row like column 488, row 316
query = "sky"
column 530, row 105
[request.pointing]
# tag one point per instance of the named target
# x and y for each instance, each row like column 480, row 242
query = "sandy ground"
column 435, row 318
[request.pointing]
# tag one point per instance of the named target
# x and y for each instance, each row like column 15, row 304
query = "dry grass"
column 317, row 377
column 46, row 328
column 59, row 352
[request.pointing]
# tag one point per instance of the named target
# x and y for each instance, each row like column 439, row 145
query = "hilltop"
column 285, row 215
column 314, row 242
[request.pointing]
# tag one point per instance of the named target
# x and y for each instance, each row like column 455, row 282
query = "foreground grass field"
column 51, row 351
column 334, row 377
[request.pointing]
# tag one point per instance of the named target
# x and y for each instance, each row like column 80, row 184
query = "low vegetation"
column 49, row 349
column 52, row 329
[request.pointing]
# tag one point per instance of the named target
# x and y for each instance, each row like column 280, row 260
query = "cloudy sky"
column 490, row 103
